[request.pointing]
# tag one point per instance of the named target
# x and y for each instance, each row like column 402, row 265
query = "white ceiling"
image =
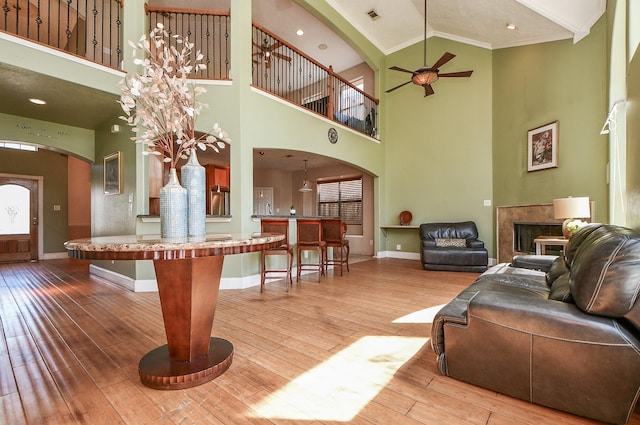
column 478, row 22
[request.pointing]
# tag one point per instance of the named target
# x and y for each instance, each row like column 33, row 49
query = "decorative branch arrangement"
column 160, row 102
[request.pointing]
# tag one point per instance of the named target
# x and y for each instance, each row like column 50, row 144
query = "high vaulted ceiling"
column 400, row 24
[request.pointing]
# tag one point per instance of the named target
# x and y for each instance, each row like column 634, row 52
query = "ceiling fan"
column 266, row 52
column 425, row 76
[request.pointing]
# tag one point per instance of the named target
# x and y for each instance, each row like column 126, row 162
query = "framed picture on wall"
column 542, row 147
column 112, row 174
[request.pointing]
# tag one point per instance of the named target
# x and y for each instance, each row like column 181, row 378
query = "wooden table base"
column 158, row 372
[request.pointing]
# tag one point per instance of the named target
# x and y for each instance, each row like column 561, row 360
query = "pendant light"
column 305, row 186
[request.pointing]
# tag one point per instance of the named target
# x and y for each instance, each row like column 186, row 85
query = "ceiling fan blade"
column 443, row 59
column 281, row 56
column 457, row 74
column 397, row 87
column 428, row 90
column 275, row 45
column 397, row 68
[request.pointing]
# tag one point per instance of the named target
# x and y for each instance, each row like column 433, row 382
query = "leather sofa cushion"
column 457, row 256
column 461, row 230
column 557, row 269
column 561, row 290
column 605, row 271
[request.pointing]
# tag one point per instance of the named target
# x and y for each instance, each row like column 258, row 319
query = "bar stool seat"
column 334, row 231
column 276, row 225
column 309, row 238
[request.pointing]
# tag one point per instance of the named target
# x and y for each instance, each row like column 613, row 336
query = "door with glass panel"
column 18, row 219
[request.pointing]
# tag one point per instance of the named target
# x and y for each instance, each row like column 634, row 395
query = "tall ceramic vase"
column 173, row 208
column 194, row 180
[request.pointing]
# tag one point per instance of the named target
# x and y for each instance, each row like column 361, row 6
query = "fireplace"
column 525, row 233
column 507, row 216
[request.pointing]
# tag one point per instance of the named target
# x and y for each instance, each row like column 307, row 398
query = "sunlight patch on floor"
column 340, row 387
column 421, row 316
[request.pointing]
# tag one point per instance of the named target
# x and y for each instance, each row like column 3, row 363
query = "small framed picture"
column 112, row 174
column 542, row 147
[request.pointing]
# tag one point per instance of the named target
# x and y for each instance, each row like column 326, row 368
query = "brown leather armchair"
column 565, row 336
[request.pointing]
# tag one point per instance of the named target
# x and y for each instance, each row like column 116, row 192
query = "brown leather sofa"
column 565, row 336
column 452, row 247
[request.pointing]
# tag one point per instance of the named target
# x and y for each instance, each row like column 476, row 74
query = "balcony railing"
column 208, row 30
column 285, row 71
column 93, row 29
column 88, row 28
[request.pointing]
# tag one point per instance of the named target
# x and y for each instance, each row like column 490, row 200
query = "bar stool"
column 309, row 238
column 333, row 233
column 276, row 225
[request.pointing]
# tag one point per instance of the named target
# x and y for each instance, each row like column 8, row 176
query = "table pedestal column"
column 188, row 290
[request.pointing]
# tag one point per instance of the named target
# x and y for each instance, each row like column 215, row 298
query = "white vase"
column 194, row 180
column 173, row 208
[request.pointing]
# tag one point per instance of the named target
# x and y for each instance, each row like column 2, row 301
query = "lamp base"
column 565, row 230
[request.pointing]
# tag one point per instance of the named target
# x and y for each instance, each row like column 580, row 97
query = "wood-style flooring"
column 352, row 349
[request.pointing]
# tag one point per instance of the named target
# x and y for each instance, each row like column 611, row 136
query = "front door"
column 18, row 219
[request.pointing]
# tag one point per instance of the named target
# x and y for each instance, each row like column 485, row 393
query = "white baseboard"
column 55, row 256
column 151, row 285
column 399, row 254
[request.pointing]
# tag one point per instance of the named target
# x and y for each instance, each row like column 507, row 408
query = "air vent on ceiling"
column 373, row 15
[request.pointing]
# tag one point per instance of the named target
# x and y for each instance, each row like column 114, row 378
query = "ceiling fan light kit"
column 427, row 75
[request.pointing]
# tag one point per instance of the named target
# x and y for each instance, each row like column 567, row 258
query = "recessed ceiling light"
column 300, row 32
column 322, row 46
column 511, row 26
column 37, row 101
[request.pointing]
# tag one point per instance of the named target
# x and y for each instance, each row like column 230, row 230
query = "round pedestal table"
column 188, row 274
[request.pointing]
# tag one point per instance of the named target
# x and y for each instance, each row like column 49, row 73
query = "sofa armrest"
column 454, row 312
column 534, row 262
column 475, row 243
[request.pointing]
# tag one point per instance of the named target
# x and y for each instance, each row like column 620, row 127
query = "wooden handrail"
column 160, row 9
column 328, row 70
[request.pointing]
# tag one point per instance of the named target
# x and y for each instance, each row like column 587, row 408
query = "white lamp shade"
column 578, row 207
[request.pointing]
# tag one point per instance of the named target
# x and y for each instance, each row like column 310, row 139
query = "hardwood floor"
column 352, row 349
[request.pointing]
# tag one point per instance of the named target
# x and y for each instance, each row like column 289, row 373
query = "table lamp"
column 571, row 209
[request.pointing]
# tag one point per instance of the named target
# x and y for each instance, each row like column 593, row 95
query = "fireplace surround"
column 540, row 215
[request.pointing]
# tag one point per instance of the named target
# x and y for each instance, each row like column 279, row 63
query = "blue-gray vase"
column 173, row 208
column 194, row 180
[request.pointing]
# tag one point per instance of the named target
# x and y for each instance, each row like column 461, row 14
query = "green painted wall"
column 52, row 166
column 438, row 161
column 538, row 84
column 633, row 119
column 63, row 138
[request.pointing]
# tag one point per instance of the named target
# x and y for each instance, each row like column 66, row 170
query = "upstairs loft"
column 94, row 31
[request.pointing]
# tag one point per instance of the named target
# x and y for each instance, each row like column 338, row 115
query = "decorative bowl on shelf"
column 405, row 218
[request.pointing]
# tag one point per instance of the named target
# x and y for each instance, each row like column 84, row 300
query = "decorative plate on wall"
column 405, row 218
column 333, row 135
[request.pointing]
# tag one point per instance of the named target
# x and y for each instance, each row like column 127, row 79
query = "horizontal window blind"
column 341, row 198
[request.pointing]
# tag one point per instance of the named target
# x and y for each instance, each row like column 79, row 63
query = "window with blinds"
column 341, row 198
